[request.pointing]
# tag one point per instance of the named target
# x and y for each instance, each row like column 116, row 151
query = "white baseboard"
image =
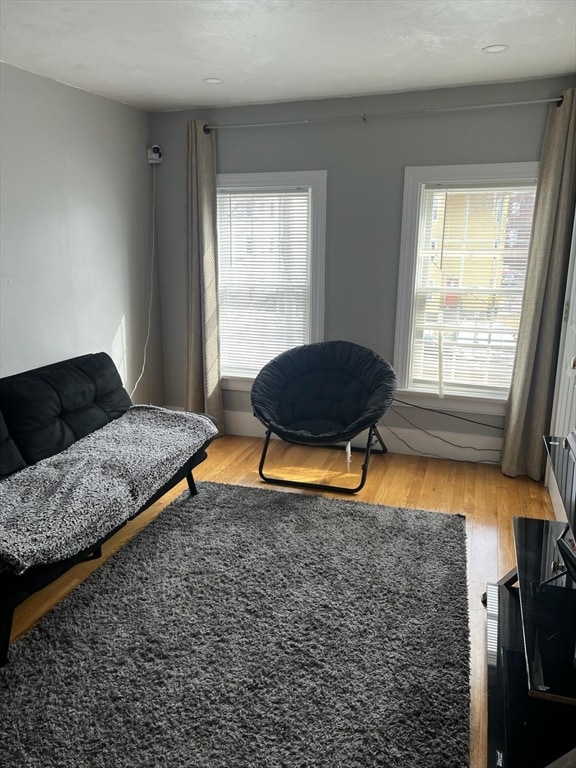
column 242, row 423
column 468, row 447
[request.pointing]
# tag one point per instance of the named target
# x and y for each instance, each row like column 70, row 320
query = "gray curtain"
column 529, row 406
column 203, row 393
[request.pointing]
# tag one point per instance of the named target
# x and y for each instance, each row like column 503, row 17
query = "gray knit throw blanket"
column 68, row 502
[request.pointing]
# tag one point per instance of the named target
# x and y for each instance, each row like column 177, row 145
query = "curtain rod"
column 375, row 115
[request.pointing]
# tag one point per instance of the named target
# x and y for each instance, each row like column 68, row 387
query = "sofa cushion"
column 49, row 408
column 10, row 457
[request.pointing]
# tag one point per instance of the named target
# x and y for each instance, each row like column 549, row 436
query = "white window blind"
column 471, row 258
column 265, row 280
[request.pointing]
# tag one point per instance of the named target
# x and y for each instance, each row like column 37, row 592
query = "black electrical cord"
column 433, row 455
column 452, row 415
column 437, row 437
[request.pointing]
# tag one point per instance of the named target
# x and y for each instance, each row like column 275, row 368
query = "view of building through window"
column 471, row 259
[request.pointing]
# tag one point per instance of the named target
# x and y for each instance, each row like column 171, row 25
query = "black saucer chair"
column 323, row 394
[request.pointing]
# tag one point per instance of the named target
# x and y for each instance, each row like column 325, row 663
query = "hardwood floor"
column 479, row 491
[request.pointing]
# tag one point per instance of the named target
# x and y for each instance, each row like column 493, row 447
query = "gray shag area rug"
column 250, row 628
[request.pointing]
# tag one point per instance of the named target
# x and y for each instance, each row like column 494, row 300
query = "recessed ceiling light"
column 495, row 48
column 212, row 80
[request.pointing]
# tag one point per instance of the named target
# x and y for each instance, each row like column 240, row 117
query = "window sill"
column 237, row 383
column 459, row 403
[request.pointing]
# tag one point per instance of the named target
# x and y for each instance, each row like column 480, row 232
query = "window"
column 465, row 239
column 271, row 231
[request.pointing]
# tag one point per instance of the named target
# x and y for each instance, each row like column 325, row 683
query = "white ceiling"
column 154, row 54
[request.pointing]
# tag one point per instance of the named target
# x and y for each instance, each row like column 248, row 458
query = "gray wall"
column 365, row 163
column 75, row 230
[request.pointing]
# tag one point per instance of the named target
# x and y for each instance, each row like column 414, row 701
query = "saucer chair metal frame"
column 323, row 394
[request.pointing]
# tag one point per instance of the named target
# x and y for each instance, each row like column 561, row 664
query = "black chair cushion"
column 323, row 393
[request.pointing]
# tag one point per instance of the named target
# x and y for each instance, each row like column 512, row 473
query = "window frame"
column 415, row 177
column 316, row 181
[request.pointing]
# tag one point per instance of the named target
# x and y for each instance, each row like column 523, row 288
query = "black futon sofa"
column 77, row 460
